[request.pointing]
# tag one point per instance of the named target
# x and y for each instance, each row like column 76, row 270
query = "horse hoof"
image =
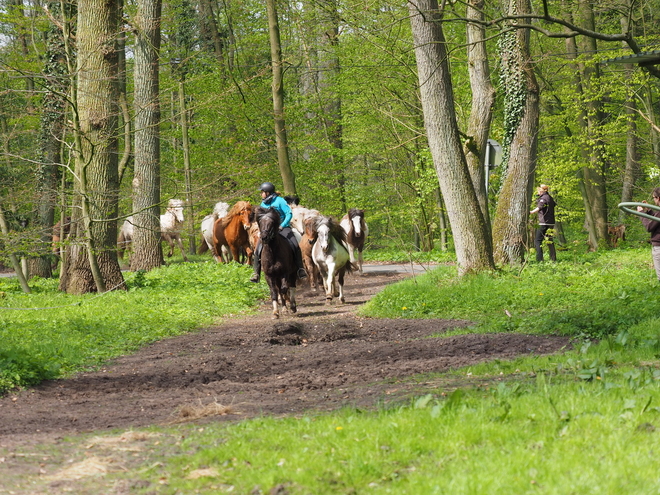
column 328, row 301
column 275, row 316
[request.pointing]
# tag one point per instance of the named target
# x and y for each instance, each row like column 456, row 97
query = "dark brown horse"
column 231, row 231
column 277, row 261
column 356, row 234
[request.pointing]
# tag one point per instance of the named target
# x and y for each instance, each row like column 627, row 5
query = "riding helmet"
column 267, row 187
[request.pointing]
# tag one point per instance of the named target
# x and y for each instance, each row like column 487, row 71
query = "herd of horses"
column 330, row 248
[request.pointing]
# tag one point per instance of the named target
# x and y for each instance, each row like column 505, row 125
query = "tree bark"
column 594, row 172
column 522, row 121
column 147, row 249
column 92, row 254
column 483, row 99
column 471, row 241
column 282, row 144
column 50, row 138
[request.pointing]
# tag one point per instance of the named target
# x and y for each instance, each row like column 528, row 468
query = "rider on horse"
column 270, row 199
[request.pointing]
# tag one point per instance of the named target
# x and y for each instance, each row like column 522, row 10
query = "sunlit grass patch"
column 596, row 297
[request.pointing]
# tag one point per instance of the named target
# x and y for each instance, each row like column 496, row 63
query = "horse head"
column 269, row 223
column 356, row 216
column 309, row 228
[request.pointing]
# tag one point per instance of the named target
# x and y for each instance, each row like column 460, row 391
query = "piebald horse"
column 331, row 256
column 356, row 234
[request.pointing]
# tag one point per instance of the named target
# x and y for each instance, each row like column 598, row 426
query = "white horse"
column 331, row 257
column 220, row 210
column 171, row 225
column 356, row 230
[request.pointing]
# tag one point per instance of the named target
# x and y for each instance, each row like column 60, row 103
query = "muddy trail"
column 321, row 359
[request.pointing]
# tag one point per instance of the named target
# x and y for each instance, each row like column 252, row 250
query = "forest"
column 437, row 119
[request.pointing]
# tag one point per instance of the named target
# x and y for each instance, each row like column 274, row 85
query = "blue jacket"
column 280, row 205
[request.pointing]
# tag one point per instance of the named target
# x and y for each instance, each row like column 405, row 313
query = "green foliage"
column 47, row 333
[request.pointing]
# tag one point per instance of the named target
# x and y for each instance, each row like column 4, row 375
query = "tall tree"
column 147, row 249
column 521, row 116
column 483, row 99
column 471, row 240
column 54, row 104
column 281, row 139
column 92, row 255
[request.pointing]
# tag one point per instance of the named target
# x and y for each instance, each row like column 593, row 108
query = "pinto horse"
column 231, row 232
column 277, row 261
column 331, row 257
column 356, row 234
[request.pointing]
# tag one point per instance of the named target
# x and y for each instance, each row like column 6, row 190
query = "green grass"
column 596, row 296
column 585, row 421
column 48, row 334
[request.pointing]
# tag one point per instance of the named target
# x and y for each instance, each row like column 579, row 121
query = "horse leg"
column 341, row 285
column 274, row 296
column 180, row 243
column 329, row 283
column 292, row 300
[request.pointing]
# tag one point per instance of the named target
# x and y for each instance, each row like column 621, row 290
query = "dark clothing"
column 546, row 206
column 541, row 236
column 652, row 226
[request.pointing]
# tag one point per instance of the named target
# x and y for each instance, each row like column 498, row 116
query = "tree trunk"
column 209, row 30
column 50, row 136
column 522, row 121
column 594, row 172
column 288, row 177
column 147, row 249
column 472, row 243
column 92, row 254
column 185, row 143
column 483, row 99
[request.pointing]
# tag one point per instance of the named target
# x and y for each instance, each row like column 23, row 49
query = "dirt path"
column 322, row 359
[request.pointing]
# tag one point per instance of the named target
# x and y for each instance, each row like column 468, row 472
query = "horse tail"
column 203, row 246
column 351, row 267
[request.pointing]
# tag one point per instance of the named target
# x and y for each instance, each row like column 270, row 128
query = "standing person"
column 270, row 199
column 654, row 228
column 545, row 207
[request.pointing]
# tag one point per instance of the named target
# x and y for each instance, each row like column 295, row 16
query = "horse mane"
column 238, row 207
column 261, row 212
column 334, row 227
column 355, row 212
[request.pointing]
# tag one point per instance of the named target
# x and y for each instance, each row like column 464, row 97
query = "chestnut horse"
column 277, row 261
column 331, row 257
column 356, row 234
column 231, row 232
